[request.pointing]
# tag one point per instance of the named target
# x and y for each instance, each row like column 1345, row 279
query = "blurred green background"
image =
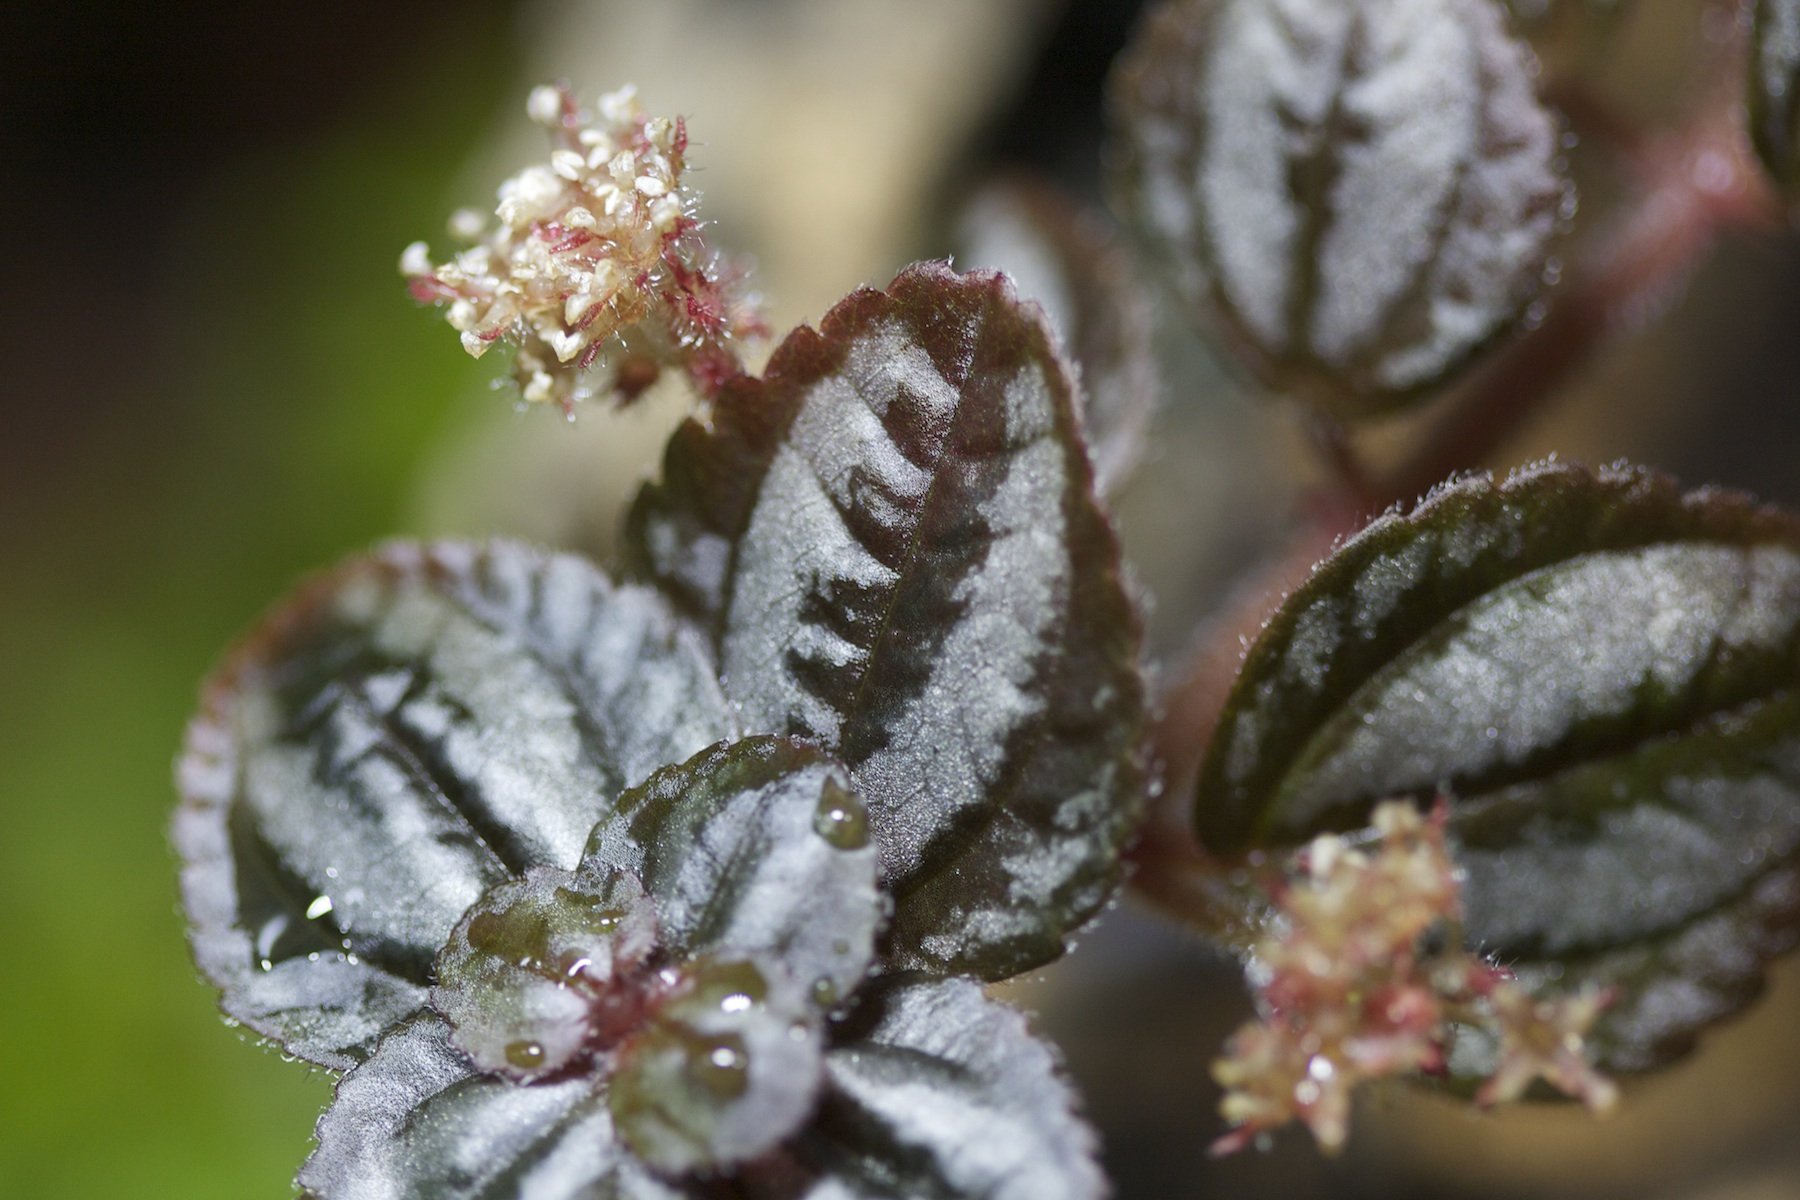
column 213, row 383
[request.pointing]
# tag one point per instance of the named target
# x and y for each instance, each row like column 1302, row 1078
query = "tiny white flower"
column 466, row 224
column 415, row 260
column 568, row 163
column 545, row 105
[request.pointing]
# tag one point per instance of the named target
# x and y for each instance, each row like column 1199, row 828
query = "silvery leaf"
column 399, row 736
column 893, row 540
column 1363, row 192
column 1604, row 675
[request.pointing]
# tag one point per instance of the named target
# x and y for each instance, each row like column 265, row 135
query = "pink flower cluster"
column 1354, row 983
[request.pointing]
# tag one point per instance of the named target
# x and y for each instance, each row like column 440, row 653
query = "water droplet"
column 840, row 818
column 318, row 908
column 824, row 992
column 525, row 1055
column 721, row 1067
column 266, row 965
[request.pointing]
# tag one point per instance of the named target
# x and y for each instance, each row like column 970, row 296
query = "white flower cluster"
column 593, row 266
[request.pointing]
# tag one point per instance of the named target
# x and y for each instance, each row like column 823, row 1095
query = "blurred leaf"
column 1535, row 13
column 894, row 541
column 1775, row 89
column 1060, row 256
column 1365, row 192
column 760, row 847
column 401, row 735
column 1602, row 672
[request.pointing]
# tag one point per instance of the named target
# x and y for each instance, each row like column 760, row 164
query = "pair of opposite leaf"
column 656, row 888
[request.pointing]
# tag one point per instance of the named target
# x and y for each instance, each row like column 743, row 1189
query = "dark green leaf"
column 1061, row 257
column 417, row 1122
column 1605, row 675
column 934, row 1092
column 894, row 542
column 1775, row 90
column 1363, row 191
column 758, row 848
column 403, row 734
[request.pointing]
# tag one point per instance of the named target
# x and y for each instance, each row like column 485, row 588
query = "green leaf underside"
column 403, row 734
column 1365, row 191
column 1602, row 672
column 759, row 847
column 1774, row 82
column 893, row 540
column 1059, row 256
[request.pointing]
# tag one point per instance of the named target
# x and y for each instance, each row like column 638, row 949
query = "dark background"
column 212, row 382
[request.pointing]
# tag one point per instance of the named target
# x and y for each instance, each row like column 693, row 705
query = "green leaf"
column 761, row 848
column 417, row 1122
column 935, row 1092
column 1774, row 80
column 893, row 539
column 401, row 735
column 1362, row 192
column 1604, row 674
column 1062, row 257
column 726, row 1068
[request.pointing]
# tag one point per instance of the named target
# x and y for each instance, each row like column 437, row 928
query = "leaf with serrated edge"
column 931, row 1091
column 1365, row 191
column 756, row 847
column 1602, row 672
column 1061, row 257
column 402, row 734
column 894, row 540
column 418, row 1122
column 935, row 1092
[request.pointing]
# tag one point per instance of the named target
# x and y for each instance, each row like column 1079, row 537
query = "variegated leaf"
column 402, row 734
column 1604, row 674
column 893, row 540
column 758, row 847
column 1363, row 191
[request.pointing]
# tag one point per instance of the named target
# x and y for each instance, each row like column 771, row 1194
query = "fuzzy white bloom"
column 593, row 265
